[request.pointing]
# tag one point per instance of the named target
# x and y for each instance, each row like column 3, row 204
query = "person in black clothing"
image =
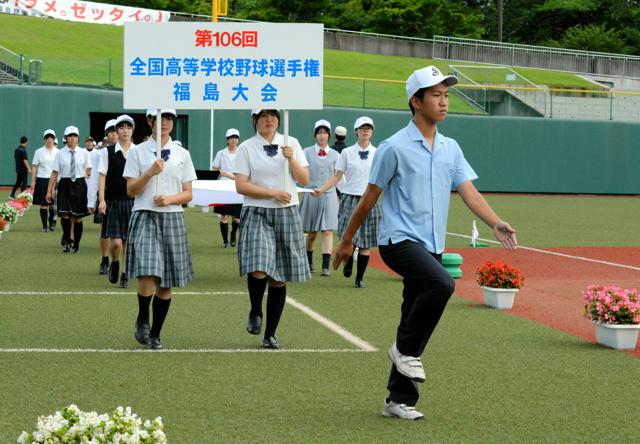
column 22, row 166
column 341, row 134
column 115, row 204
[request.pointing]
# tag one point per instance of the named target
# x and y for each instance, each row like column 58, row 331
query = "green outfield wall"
column 509, row 154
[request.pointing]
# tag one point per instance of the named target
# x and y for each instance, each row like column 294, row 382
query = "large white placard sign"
column 223, row 65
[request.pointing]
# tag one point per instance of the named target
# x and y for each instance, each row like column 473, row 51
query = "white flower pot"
column 501, row 298
column 7, row 227
column 620, row 337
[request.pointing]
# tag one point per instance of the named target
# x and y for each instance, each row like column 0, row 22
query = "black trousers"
column 21, row 182
column 427, row 289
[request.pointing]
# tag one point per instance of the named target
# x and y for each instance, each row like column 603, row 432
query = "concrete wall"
column 510, row 154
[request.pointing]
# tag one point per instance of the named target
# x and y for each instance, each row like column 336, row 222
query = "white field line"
column 555, row 253
column 186, row 350
column 350, row 337
column 329, row 324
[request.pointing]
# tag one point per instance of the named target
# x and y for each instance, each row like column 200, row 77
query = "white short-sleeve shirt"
column 355, row 170
column 62, row 163
column 92, row 182
column 43, row 159
column 268, row 172
column 104, row 157
column 224, row 161
column 178, row 169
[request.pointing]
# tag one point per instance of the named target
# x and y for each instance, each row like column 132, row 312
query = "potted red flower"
column 500, row 283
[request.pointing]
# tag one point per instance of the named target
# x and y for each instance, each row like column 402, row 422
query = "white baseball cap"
column 232, row 132
column 153, row 112
column 110, row 124
column 426, row 77
column 125, row 118
column 324, row 123
column 364, row 120
column 49, row 132
column 71, row 130
column 341, row 131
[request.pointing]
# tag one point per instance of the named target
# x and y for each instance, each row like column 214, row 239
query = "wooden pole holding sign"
column 286, row 143
column 158, row 146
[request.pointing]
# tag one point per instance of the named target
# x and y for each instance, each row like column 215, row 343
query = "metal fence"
column 12, row 66
column 582, row 62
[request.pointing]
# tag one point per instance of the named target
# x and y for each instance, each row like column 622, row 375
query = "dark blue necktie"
column 364, row 155
column 271, row 150
column 164, row 154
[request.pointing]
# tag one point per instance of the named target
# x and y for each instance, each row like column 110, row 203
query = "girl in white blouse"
column 271, row 245
column 41, row 171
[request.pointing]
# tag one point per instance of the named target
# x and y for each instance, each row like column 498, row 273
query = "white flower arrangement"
column 72, row 425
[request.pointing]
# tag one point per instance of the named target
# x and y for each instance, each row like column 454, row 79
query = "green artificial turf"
column 491, row 376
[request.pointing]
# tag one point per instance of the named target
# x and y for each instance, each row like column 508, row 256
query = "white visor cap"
column 49, row 132
column 323, row 123
column 427, row 77
column 71, row 130
column 125, row 118
column 110, row 124
column 153, row 112
column 364, row 120
column 231, row 132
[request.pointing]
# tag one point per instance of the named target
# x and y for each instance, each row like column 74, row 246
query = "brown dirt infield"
column 553, row 284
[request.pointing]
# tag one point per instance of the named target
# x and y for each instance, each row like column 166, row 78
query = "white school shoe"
column 409, row 366
column 402, row 411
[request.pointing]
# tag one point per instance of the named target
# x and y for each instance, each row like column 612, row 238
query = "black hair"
column 315, row 132
column 49, row 136
column 152, row 119
column 24, row 139
column 255, row 117
column 419, row 94
column 124, row 122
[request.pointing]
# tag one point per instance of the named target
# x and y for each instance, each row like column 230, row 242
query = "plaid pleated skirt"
column 40, row 191
column 367, row 234
column 115, row 224
column 271, row 240
column 72, row 197
column 158, row 246
column 319, row 213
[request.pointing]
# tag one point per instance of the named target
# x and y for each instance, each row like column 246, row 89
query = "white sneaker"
column 402, row 411
column 409, row 366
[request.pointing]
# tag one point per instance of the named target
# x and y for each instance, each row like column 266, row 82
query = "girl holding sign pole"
column 157, row 248
column 271, row 246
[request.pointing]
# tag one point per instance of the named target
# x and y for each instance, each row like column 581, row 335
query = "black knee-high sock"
column 52, row 214
column 66, row 229
column 160, row 310
column 256, row 293
column 310, row 257
column 275, row 306
column 234, row 229
column 326, row 259
column 143, row 308
column 224, row 229
column 77, row 233
column 363, row 261
column 43, row 217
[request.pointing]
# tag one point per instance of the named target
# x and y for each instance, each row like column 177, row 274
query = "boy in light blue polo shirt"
column 418, row 168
